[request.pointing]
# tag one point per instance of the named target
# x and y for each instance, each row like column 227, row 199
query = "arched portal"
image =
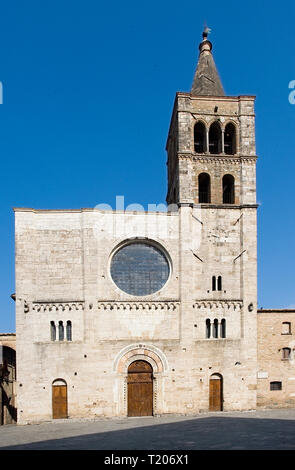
column 140, row 389
column 59, row 399
column 216, row 393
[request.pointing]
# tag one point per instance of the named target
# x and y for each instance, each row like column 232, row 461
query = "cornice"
column 138, row 305
column 220, row 303
column 41, row 306
column 209, row 205
column 218, row 158
column 216, row 98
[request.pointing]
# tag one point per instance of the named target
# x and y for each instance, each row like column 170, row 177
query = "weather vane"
column 206, row 31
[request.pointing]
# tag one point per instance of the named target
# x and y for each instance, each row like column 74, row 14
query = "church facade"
column 146, row 313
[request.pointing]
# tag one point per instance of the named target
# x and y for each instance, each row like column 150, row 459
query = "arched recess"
column 200, row 137
column 216, row 392
column 59, row 399
column 159, row 365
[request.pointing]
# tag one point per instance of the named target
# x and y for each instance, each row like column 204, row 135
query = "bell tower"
column 212, row 178
column 211, row 142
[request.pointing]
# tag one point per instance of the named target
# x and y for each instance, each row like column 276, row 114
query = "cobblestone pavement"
column 263, row 430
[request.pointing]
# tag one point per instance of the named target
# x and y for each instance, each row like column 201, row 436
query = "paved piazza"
column 263, row 429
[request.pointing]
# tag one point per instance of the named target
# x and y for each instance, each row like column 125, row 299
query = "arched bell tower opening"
column 204, row 188
column 228, row 189
column 200, row 137
column 230, row 139
column 215, row 138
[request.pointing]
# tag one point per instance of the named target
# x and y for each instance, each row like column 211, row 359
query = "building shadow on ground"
column 210, row 433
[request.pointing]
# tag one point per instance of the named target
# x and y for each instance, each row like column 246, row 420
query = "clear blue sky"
column 88, row 89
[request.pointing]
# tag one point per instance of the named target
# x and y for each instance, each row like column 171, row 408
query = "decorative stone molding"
column 220, row 159
column 137, row 305
column 235, row 304
column 140, row 351
column 57, row 306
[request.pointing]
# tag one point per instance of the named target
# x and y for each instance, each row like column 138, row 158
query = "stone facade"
column 276, row 360
column 62, row 267
column 200, row 326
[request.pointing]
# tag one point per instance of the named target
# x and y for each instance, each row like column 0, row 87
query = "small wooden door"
column 140, row 389
column 59, row 401
column 215, row 393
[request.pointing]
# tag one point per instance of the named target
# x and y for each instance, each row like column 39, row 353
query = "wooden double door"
column 140, row 389
column 215, row 393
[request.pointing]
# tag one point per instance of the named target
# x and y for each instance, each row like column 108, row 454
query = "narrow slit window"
column 223, row 328
column 52, row 331
column 215, row 328
column 213, row 283
column 60, row 331
column 219, row 283
column 208, row 328
column 69, row 330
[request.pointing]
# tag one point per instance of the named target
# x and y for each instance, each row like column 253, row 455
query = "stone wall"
column 274, row 335
column 109, row 326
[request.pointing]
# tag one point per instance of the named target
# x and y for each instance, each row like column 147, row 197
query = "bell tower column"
column 212, row 177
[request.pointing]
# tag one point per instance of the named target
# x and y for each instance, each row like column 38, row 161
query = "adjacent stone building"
column 276, row 358
column 144, row 313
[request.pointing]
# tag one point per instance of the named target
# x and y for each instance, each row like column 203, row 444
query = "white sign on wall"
column 262, row 375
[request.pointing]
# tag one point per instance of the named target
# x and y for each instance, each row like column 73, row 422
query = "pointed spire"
column 206, row 80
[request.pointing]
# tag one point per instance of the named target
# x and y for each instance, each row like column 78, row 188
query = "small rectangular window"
column 275, row 385
column 286, row 353
column 286, row 328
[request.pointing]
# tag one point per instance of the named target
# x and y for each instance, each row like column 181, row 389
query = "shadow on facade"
column 210, row 433
column 8, row 412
